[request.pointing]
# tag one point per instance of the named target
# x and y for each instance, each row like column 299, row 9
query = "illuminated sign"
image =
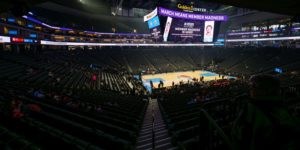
column 44, row 24
column 278, row 70
column 265, row 39
column 28, row 41
column 191, row 16
column 190, row 8
column 118, row 44
column 11, row 20
column 17, row 40
column 150, row 15
column 186, row 31
column 243, row 33
column 12, row 32
column 167, row 29
column 154, row 22
column 209, row 31
column 4, row 39
column 32, row 35
column 220, row 40
column 30, row 26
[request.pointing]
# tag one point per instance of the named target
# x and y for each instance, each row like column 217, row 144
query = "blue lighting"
column 278, row 70
column 12, row 32
column 220, row 40
column 28, row 41
column 32, row 35
column 30, row 26
column 11, row 20
column 154, row 22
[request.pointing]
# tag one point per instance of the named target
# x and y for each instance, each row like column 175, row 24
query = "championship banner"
column 150, row 15
column 191, row 16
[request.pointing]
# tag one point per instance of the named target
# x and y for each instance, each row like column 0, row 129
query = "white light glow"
column 4, row 39
column 265, row 39
column 118, row 44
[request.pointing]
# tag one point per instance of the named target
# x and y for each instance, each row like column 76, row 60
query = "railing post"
column 153, row 133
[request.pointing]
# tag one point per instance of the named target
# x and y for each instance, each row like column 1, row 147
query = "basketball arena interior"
column 149, row 75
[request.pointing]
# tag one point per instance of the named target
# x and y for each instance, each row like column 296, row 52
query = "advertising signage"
column 154, row 22
column 190, row 16
column 190, row 8
column 4, row 39
column 150, row 15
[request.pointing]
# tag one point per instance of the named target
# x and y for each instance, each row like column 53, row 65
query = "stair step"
column 173, row 148
column 145, row 146
column 163, row 146
column 155, row 124
column 165, row 140
column 159, row 132
column 144, row 140
column 161, row 136
column 145, row 137
column 146, row 132
column 149, row 131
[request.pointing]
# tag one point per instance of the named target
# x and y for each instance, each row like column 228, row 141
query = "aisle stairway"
column 154, row 130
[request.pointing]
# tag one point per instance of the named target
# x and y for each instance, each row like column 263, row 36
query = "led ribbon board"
column 265, row 39
column 4, row 39
column 190, row 16
column 117, row 44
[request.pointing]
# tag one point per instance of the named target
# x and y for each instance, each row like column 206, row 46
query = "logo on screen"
column 154, row 22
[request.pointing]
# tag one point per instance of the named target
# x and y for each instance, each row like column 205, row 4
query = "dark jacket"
column 266, row 124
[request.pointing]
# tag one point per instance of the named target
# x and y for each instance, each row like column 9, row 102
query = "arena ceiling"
column 288, row 7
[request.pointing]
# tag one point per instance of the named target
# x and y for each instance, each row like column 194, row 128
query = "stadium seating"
column 80, row 113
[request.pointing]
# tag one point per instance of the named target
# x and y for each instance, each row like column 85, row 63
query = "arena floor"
column 168, row 78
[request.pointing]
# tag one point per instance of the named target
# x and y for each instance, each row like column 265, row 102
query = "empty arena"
column 149, row 75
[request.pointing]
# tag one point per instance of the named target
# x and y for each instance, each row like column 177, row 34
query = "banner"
column 150, row 15
column 4, row 39
column 192, row 16
column 208, row 35
column 167, row 29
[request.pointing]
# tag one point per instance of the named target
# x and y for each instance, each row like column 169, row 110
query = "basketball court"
column 176, row 77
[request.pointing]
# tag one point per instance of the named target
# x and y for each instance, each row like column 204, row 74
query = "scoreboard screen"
column 187, row 31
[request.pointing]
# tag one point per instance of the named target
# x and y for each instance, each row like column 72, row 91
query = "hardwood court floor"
column 168, row 78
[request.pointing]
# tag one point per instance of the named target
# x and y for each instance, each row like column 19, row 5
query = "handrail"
column 153, row 132
column 219, row 130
